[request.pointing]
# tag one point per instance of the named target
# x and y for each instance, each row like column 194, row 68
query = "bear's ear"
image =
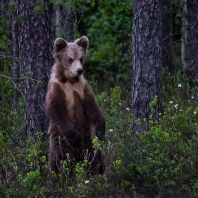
column 59, row 44
column 83, row 42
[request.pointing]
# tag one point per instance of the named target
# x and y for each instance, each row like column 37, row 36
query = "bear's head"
column 70, row 56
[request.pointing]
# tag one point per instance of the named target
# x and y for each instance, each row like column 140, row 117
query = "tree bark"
column 146, row 63
column 35, row 50
column 190, row 39
column 15, row 57
column 57, row 19
column 167, row 35
column 184, row 45
column 69, row 27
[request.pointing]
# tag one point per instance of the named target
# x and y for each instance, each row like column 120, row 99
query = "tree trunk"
column 167, row 35
column 184, row 45
column 69, row 28
column 190, row 39
column 146, row 63
column 57, row 19
column 15, row 58
column 35, row 50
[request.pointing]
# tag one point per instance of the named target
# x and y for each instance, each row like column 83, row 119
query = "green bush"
column 163, row 160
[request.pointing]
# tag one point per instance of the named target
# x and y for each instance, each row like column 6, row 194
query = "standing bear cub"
column 72, row 109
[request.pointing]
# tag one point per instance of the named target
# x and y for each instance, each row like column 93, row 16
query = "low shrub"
column 162, row 162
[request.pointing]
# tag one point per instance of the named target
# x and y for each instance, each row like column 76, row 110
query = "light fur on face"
column 74, row 57
column 71, row 55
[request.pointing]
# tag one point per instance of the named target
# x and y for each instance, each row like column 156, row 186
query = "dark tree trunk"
column 167, row 35
column 15, row 58
column 57, row 19
column 146, row 63
column 36, row 56
column 184, row 45
column 69, row 28
column 190, row 39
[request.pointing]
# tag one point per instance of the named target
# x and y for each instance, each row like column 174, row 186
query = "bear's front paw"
column 75, row 140
column 99, row 135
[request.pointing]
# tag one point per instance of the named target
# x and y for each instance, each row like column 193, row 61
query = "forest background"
column 150, row 156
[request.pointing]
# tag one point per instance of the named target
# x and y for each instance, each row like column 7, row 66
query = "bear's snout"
column 79, row 71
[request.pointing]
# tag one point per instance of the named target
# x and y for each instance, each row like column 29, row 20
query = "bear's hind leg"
column 97, row 163
column 55, row 157
column 58, row 153
column 94, row 156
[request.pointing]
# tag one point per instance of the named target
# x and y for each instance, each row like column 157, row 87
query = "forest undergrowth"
column 162, row 162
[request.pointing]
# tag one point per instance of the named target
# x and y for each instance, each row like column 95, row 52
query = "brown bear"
column 72, row 109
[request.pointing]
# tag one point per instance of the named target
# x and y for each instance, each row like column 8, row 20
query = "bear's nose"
column 79, row 71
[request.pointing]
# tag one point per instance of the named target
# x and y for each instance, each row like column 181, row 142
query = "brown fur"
column 72, row 109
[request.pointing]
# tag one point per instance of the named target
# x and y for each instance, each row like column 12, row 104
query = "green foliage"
column 96, row 143
column 29, row 183
column 176, row 2
column 164, row 158
column 153, row 103
column 21, row 169
column 115, row 96
column 12, row 121
column 4, row 31
column 39, row 6
column 13, row 6
column 168, row 152
column 2, row 141
column 109, row 32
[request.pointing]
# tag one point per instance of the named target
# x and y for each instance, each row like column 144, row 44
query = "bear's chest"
column 74, row 94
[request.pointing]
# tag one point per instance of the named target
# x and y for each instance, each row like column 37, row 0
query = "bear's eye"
column 81, row 60
column 70, row 60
